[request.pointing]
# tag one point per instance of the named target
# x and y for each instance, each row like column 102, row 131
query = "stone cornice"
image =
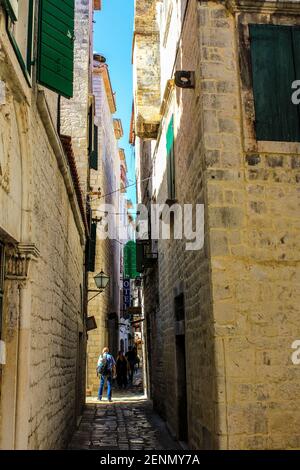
column 147, row 130
column 18, row 260
column 103, row 70
column 264, row 6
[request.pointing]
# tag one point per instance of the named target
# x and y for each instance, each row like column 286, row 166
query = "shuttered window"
column 275, row 59
column 94, row 152
column 171, row 160
column 130, row 270
column 56, row 46
column 92, row 248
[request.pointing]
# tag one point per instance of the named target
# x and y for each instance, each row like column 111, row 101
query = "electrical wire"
column 115, row 213
column 121, row 189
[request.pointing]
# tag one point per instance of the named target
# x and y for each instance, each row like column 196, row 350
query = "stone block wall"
column 253, row 213
column 57, row 319
column 241, row 297
column 74, row 112
column 55, row 303
column 42, row 315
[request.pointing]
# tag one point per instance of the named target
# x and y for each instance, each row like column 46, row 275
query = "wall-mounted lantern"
column 101, row 281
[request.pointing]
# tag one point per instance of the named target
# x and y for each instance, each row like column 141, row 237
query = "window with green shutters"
column 56, row 45
column 275, row 56
column 171, row 160
column 130, row 263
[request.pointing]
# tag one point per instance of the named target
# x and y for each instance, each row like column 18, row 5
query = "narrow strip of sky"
column 113, row 31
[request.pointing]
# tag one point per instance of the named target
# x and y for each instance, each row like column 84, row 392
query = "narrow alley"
column 149, row 226
column 128, row 423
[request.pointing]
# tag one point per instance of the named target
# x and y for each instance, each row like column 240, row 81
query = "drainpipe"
column 23, row 368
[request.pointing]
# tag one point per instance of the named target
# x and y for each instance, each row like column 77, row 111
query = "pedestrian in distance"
column 137, row 364
column 122, row 370
column 106, row 368
column 131, row 358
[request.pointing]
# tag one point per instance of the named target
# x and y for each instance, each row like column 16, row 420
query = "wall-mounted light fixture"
column 185, row 79
column 101, row 281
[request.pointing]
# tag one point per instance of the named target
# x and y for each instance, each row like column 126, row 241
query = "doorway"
column 79, row 397
column 181, row 385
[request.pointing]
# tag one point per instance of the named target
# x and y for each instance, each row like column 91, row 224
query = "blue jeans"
column 102, row 381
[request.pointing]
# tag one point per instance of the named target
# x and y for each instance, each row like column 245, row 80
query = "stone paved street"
column 128, row 423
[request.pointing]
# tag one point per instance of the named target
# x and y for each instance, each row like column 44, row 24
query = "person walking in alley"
column 106, row 368
column 131, row 358
column 122, row 370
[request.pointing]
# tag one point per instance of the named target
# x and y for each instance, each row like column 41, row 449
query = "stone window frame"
column 243, row 20
column 25, row 63
column 2, row 277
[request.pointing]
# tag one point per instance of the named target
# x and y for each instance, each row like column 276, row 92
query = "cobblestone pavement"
column 128, row 423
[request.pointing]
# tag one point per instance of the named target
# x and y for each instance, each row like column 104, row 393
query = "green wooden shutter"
column 92, row 247
column 273, row 69
column 171, row 160
column 56, row 46
column 94, row 152
column 296, row 51
column 130, row 269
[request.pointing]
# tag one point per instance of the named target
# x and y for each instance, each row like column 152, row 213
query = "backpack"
column 102, row 369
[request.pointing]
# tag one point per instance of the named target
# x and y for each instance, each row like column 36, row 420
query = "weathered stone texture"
column 241, row 291
column 147, row 65
column 42, row 315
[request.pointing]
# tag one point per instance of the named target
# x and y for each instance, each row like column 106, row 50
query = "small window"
column 20, row 29
column 275, row 66
column 94, row 151
column 2, row 273
column 179, row 308
column 92, row 248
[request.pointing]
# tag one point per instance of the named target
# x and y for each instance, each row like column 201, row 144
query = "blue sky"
column 113, row 38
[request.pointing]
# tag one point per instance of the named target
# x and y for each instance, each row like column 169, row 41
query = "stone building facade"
column 43, row 229
column 221, row 320
column 104, row 182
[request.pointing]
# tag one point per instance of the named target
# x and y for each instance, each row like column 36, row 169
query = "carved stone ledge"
column 264, row 6
column 147, row 130
column 18, row 261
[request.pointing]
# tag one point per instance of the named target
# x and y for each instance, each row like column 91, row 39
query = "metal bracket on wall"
column 185, row 79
